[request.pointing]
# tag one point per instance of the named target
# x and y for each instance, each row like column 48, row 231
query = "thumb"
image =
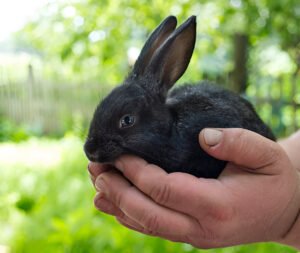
column 241, row 147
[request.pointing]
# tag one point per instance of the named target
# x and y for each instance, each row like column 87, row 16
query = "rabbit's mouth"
column 105, row 152
column 103, row 157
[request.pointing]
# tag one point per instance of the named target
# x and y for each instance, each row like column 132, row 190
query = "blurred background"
column 58, row 58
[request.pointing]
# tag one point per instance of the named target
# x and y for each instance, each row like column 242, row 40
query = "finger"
column 242, row 147
column 95, row 169
column 206, row 197
column 125, row 221
column 130, row 223
column 106, row 206
column 143, row 210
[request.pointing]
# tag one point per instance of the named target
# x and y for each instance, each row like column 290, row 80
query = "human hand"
column 256, row 198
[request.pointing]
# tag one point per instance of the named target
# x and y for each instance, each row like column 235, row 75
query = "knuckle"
column 118, row 198
column 203, row 231
column 123, row 199
column 272, row 155
column 136, row 173
column 275, row 152
column 161, row 193
column 151, row 223
column 150, row 232
column 246, row 142
column 239, row 141
column 235, row 140
column 138, row 179
column 116, row 188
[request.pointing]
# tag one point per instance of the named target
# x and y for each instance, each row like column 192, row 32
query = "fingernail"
column 212, row 136
column 99, row 184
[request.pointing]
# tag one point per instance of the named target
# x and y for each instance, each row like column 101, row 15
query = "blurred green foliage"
column 12, row 132
column 93, row 38
column 46, row 204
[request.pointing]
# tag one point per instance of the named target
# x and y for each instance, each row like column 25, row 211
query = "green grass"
column 46, row 205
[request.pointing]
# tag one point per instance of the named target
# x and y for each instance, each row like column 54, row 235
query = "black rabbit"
column 141, row 117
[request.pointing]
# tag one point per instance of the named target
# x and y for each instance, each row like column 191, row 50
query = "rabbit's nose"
column 90, row 149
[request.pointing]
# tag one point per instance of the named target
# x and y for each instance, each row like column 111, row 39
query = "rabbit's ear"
column 156, row 39
column 172, row 58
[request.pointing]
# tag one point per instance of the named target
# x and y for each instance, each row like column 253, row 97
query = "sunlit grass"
column 32, row 154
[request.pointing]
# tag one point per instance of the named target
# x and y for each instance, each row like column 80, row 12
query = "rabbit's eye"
column 127, row 121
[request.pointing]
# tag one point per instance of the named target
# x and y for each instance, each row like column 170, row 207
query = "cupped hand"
column 256, row 198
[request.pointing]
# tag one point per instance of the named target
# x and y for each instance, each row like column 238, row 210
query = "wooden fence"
column 46, row 106
column 53, row 107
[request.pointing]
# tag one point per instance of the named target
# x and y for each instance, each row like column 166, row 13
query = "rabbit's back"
column 195, row 107
column 208, row 105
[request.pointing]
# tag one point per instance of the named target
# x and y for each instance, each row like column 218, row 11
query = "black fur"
column 167, row 124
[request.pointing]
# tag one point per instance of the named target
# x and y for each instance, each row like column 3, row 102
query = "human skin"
column 255, row 199
column 291, row 145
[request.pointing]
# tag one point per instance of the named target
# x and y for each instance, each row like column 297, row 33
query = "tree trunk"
column 239, row 75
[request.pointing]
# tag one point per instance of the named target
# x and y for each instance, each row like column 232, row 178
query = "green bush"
column 10, row 131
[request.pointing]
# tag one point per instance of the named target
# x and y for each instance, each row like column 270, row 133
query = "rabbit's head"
column 134, row 117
